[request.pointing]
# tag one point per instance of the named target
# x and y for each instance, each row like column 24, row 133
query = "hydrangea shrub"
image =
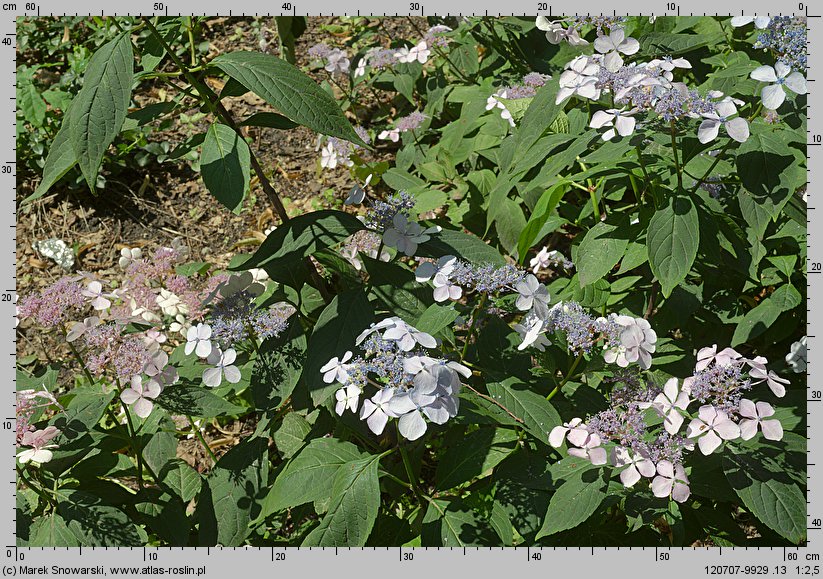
column 568, row 311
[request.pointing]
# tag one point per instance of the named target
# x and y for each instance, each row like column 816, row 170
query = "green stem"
column 569, row 374
column 135, row 446
column 409, row 471
column 676, row 159
column 190, row 32
column 79, row 359
column 643, row 168
column 475, row 315
column 399, row 481
column 202, row 440
column 41, row 491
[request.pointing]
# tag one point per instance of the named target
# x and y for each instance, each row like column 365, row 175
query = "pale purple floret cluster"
column 236, row 318
column 786, row 37
column 581, row 329
column 319, row 51
column 55, row 304
column 410, row 122
column 381, row 213
column 601, row 23
column 485, row 277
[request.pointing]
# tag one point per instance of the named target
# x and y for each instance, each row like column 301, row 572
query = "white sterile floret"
column 711, row 428
column 736, row 127
column 444, row 289
column 530, row 291
column 671, row 481
column 796, row 358
column 709, row 354
column 358, row 192
column 336, row 370
column 408, row 336
column 223, row 363
column 760, row 22
column 637, row 343
column 129, row 255
column 427, row 270
column 419, row 52
column 376, row 411
column 781, row 77
column 198, row 340
column 621, row 122
column 612, row 45
column 668, row 405
column 405, row 235
column 757, row 415
column 170, row 304
column 637, row 464
column 328, row 156
column 347, row 397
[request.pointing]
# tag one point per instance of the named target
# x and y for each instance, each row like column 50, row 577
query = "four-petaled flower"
column 39, row 452
column 407, row 337
column 637, row 343
column 419, row 52
column 129, row 256
column 358, row 193
column 737, row 127
column 591, row 450
column 347, row 397
column 530, row 291
column 223, row 363
column 337, row 61
column 671, row 481
column 621, row 123
column 404, row 235
column 427, row 270
column 782, row 77
column 711, row 428
column 198, row 340
column 409, row 407
column 170, row 304
column 773, row 381
column 444, row 289
column 79, row 328
column 613, row 45
column 574, row 430
column 637, row 464
column 709, row 354
column 667, row 404
column 139, row 396
column 336, row 370
column 98, row 299
column 754, row 415
column 376, row 410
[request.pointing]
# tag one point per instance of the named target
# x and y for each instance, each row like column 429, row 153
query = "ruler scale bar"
column 403, row 562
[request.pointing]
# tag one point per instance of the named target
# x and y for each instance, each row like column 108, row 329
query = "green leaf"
column 196, row 401
column 767, row 492
column 537, row 413
column 436, row 318
column 672, row 240
column 464, row 245
column 269, row 120
column 83, row 411
column 231, row 496
column 355, row 501
column 300, row 237
column 575, row 500
column 602, row 247
column 309, row 476
column 225, row 165
column 291, row 436
column 95, row 523
column 99, row 109
column 289, row 90
column 339, row 324
column 452, row 523
column 161, row 446
column 664, row 43
column 180, row 479
column 540, row 214
column 278, row 367
column 760, row 318
column 59, row 161
column 51, row 531
column 475, row 457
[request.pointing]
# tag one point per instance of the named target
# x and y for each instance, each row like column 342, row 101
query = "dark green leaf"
column 225, row 165
column 672, row 241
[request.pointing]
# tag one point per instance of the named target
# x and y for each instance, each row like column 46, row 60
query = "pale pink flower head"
column 671, row 481
column 711, row 428
column 574, row 430
column 38, row 441
column 667, row 404
column 637, row 464
column 591, row 450
column 139, row 396
column 755, row 415
column 97, row 299
column 709, row 354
